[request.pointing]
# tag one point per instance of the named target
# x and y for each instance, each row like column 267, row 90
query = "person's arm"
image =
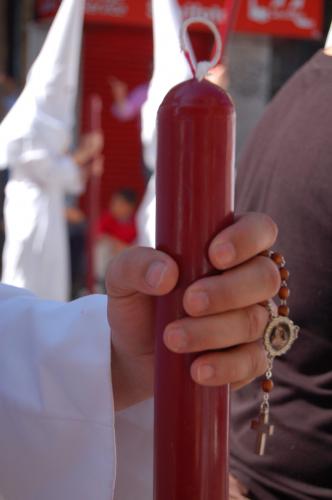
column 127, row 105
column 56, row 405
column 68, row 171
column 46, row 169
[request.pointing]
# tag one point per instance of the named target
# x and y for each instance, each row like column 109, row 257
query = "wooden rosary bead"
column 284, row 274
column 283, row 310
column 284, row 292
column 266, row 253
column 278, row 258
column 267, row 385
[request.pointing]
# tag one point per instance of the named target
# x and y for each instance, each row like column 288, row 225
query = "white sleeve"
column 42, row 167
column 134, row 442
column 56, row 406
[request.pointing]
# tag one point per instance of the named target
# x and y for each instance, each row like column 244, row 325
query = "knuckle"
column 271, row 277
column 263, row 366
column 256, row 360
column 252, row 363
column 117, row 268
column 271, row 228
column 256, row 318
column 110, row 274
column 233, row 375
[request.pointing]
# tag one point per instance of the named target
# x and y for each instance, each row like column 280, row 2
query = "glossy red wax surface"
column 194, row 201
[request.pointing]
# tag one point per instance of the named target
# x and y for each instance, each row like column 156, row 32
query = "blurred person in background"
column 35, row 140
column 116, row 229
column 127, row 105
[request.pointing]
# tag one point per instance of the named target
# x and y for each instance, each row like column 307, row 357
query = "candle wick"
column 199, row 69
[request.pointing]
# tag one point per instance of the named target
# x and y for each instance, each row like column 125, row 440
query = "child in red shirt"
column 118, row 222
column 116, row 229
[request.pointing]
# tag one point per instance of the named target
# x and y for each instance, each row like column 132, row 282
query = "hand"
column 119, row 89
column 92, row 143
column 219, row 76
column 232, row 322
column 97, row 166
column 89, row 148
column 74, row 215
column 237, row 491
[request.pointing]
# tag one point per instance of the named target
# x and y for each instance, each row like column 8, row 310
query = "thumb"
column 133, row 279
column 140, row 270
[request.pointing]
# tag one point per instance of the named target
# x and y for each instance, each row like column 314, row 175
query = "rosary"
column 279, row 336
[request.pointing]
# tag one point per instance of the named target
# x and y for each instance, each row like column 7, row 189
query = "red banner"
column 288, row 18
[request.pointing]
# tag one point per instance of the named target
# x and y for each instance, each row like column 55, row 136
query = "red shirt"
column 124, row 231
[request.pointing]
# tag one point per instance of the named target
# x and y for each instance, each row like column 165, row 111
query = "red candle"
column 194, row 202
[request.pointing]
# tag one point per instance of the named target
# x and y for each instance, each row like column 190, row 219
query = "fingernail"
column 205, row 373
column 155, row 274
column 199, row 301
column 176, row 339
column 224, row 253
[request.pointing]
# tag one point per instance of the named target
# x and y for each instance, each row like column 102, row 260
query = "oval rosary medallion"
column 280, row 335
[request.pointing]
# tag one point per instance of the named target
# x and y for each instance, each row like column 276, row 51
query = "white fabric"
column 134, row 442
column 44, row 112
column 328, row 42
column 35, row 254
column 57, row 432
column 170, row 68
column 56, row 407
column 34, row 137
column 146, row 216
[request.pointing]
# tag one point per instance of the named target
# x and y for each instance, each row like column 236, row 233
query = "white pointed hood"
column 43, row 115
column 328, row 42
column 170, row 67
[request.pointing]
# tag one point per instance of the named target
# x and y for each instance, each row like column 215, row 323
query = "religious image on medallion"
column 280, row 335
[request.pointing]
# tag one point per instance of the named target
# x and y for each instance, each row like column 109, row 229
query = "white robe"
column 36, row 253
column 34, row 137
column 57, row 423
column 146, row 216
